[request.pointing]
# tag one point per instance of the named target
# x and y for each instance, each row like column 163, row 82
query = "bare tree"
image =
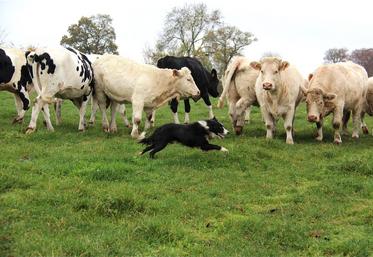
column 225, row 42
column 364, row 57
column 184, row 32
column 335, row 55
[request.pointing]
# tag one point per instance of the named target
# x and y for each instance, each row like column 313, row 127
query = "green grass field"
column 89, row 194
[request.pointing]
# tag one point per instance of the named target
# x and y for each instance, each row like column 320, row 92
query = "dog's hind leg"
column 156, row 149
column 148, row 148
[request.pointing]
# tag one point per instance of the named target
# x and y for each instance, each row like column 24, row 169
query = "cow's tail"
column 32, row 61
column 232, row 68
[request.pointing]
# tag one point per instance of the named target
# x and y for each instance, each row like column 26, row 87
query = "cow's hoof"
column 17, row 120
column 30, row 130
column 238, row 130
column 113, row 130
column 365, row 130
column 337, row 141
column 50, row 129
column 91, row 123
column 318, row 137
column 355, row 136
column 129, row 125
column 106, row 129
column 81, row 130
column 290, row 141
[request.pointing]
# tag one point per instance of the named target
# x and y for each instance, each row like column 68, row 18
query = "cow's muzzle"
column 312, row 118
column 267, row 86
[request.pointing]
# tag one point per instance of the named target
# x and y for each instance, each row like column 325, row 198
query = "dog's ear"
column 215, row 119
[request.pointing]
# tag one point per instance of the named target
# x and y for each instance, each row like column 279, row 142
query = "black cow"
column 15, row 78
column 207, row 82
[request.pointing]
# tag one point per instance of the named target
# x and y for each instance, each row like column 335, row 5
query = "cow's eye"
column 276, row 71
column 261, row 72
column 189, row 80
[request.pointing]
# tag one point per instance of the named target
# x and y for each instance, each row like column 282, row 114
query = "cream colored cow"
column 278, row 90
column 147, row 87
column 239, row 89
column 336, row 88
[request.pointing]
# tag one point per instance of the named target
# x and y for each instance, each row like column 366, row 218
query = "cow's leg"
column 113, row 123
column 288, row 125
column 102, row 99
column 269, row 122
column 47, row 117
column 82, row 106
column 232, row 113
column 206, row 99
column 319, row 125
column 345, row 118
column 20, row 111
column 122, row 112
column 356, row 119
column 137, row 109
column 94, row 108
column 148, row 120
column 174, row 105
column 57, row 108
column 337, row 124
column 153, row 119
column 187, row 110
column 247, row 115
column 364, row 126
column 34, row 115
column 241, row 107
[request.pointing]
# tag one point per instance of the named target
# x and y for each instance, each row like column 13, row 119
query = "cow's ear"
column 310, row 76
column 175, row 73
column 256, row 65
column 329, row 96
column 284, row 65
column 214, row 74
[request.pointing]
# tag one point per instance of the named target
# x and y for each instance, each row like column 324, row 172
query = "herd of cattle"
column 111, row 80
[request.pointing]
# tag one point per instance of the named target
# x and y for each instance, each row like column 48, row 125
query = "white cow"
column 61, row 72
column 239, row 89
column 278, row 89
column 147, row 87
column 336, row 88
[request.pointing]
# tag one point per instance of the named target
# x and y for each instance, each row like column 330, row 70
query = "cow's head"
column 317, row 102
column 270, row 69
column 185, row 84
column 213, row 84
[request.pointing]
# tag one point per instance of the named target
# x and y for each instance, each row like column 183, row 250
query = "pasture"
column 89, row 194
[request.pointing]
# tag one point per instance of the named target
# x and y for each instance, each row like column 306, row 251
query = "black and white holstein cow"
column 207, row 82
column 15, row 78
column 61, row 72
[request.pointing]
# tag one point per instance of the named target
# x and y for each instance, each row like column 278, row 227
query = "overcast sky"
column 300, row 31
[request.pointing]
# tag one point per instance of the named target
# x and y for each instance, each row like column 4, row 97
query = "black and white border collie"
column 192, row 135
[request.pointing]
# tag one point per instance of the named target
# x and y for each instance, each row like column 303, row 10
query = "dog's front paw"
column 223, row 149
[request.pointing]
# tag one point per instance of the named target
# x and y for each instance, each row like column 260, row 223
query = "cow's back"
column 120, row 77
column 199, row 73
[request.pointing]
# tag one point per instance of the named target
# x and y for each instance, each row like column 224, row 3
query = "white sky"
column 300, row 31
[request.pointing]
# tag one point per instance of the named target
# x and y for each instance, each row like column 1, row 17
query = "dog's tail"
column 147, row 140
column 232, row 68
